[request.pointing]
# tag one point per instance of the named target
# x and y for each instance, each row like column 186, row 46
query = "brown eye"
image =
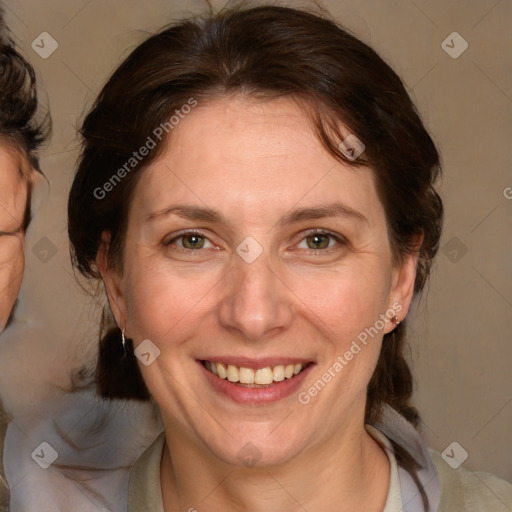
column 321, row 241
column 189, row 241
column 192, row 241
column 318, row 241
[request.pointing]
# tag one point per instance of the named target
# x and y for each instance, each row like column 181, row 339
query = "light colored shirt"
column 74, row 453
column 145, row 492
column 97, row 442
column 448, row 490
column 394, row 498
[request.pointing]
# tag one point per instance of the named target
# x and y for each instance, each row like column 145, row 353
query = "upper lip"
column 255, row 362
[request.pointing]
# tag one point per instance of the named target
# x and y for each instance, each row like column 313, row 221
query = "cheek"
column 349, row 309
column 348, row 300
column 162, row 302
column 166, row 302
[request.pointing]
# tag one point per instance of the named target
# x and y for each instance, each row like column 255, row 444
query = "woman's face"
column 253, row 286
column 13, row 201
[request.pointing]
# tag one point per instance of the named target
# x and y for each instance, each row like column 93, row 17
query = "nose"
column 257, row 303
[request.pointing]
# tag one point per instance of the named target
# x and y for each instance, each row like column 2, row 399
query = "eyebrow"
column 190, row 212
column 335, row 209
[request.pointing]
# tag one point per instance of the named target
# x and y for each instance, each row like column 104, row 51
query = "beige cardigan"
column 461, row 490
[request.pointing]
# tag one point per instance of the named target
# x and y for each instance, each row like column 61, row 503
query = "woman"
column 20, row 136
column 256, row 192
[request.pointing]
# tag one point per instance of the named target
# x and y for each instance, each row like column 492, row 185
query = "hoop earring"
column 123, row 341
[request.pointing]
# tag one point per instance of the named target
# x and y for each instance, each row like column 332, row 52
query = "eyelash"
column 341, row 241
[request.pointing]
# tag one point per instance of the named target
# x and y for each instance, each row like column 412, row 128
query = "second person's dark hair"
column 22, row 129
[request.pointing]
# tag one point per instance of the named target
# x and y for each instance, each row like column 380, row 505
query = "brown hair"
column 22, row 131
column 265, row 52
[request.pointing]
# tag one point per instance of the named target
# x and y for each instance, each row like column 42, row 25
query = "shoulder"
column 144, row 490
column 477, row 491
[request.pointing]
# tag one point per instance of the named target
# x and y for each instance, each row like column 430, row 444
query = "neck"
column 341, row 471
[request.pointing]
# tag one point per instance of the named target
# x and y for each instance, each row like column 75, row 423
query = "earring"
column 395, row 320
column 123, row 341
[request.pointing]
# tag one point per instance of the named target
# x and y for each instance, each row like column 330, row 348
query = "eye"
column 316, row 241
column 190, row 241
column 320, row 240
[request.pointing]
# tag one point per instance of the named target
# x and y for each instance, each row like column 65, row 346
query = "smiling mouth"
column 260, row 378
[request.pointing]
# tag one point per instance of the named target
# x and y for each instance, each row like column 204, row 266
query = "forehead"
column 240, row 130
column 251, row 154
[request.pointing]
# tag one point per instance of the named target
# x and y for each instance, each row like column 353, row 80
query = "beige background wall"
column 460, row 337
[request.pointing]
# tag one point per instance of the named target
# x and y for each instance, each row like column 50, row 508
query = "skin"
column 13, row 200
column 254, row 162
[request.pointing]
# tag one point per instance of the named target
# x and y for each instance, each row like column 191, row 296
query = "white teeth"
column 278, row 373
column 221, row 370
column 246, row 376
column 232, row 373
column 261, row 376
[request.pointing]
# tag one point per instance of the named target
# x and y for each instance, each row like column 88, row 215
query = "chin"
column 258, row 448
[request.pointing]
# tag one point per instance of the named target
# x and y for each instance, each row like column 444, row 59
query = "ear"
column 113, row 282
column 402, row 287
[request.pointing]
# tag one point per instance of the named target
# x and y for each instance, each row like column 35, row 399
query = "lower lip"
column 243, row 395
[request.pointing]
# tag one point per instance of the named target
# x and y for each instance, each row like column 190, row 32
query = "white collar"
column 396, row 428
